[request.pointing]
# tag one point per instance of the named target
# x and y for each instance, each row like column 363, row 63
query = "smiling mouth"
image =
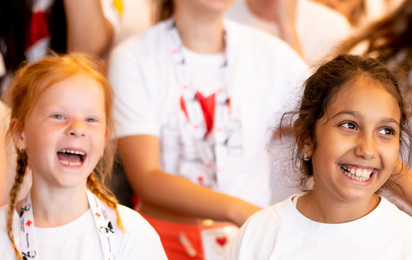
column 359, row 174
column 71, row 157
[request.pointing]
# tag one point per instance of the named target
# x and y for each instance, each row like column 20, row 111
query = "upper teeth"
column 73, row 152
column 358, row 174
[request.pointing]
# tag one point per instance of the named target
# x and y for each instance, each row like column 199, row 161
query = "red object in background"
column 39, row 28
column 208, row 109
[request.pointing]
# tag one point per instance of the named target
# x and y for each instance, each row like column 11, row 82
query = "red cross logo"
column 98, row 215
column 28, row 223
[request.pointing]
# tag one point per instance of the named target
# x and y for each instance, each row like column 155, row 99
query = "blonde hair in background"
column 28, row 85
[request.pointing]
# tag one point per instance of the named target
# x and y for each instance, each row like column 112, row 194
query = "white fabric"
column 40, row 48
column 282, row 232
column 319, row 29
column 79, row 239
column 262, row 74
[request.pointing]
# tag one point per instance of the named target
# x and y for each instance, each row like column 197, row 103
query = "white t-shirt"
column 79, row 239
column 263, row 72
column 282, row 232
column 319, row 29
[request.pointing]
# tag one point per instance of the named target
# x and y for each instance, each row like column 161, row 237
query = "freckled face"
column 65, row 134
column 357, row 142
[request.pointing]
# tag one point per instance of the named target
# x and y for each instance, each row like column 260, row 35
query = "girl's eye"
column 387, row 131
column 57, row 116
column 90, row 120
column 349, row 125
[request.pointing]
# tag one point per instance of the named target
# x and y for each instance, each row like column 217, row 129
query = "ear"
column 17, row 134
column 307, row 147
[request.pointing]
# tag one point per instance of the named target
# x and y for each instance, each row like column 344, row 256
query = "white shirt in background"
column 319, row 29
column 263, row 72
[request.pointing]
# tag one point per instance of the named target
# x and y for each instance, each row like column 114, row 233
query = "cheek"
column 390, row 155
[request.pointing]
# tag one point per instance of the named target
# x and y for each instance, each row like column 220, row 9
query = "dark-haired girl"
column 350, row 129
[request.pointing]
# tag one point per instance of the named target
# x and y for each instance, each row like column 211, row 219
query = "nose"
column 77, row 129
column 366, row 147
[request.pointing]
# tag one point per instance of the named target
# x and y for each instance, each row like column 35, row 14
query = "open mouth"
column 359, row 174
column 71, row 157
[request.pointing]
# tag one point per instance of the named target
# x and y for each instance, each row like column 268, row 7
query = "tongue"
column 69, row 157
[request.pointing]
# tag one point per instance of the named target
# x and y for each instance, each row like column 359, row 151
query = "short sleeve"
column 133, row 113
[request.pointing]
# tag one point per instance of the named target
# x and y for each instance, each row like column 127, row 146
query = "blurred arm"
column 286, row 16
column 87, row 28
column 141, row 159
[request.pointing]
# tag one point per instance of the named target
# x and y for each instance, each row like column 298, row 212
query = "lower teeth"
column 70, row 163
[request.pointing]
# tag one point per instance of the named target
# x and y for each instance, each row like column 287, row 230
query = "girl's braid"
column 101, row 194
column 20, row 173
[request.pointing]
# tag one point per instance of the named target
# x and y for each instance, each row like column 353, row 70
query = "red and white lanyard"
column 213, row 152
column 103, row 225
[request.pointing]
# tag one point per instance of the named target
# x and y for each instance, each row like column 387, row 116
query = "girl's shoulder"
column 395, row 218
column 139, row 239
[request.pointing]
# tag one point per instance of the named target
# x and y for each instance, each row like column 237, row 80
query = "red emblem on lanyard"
column 28, row 223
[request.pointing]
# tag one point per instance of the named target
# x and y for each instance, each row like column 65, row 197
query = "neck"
column 325, row 209
column 263, row 9
column 55, row 207
column 200, row 33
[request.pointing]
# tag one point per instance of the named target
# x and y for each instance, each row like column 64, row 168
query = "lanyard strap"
column 212, row 152
column 102, row 222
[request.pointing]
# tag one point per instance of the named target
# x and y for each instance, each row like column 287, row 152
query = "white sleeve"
column 236, row 249
column 140, row 239
column 133, row 113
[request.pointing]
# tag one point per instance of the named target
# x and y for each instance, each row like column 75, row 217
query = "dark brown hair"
column 321, row 89
column 163, row 9
column 388, row 40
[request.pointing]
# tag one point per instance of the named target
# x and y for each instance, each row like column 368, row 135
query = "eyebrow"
column 357, row 114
